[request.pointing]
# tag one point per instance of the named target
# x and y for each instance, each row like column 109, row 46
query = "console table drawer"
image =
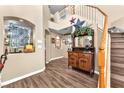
column 84, row 64
column 84, row 55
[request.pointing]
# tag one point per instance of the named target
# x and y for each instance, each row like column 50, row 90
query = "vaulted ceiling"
column 55, row 8
column 114, row 12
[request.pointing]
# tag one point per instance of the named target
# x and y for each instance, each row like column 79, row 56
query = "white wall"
column 20, row 64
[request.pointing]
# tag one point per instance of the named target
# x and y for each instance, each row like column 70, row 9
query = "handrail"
column 101, row 52
column 97, row 9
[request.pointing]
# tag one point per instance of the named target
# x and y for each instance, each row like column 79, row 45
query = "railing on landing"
column 99, row 18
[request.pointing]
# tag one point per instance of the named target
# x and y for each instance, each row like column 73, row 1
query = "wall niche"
column 18, row 35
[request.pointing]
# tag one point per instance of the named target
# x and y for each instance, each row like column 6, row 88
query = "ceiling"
column 64, row 31
column 114, row 12
column 55, row 8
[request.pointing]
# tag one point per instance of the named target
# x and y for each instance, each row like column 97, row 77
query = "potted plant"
column 82, row 31
column 87, row 30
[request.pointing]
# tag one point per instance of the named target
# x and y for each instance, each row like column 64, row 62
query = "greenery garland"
column 87, row 30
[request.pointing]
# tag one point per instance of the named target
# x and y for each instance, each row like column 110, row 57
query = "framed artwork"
column 58, row 42
column 18, row 34
column 53, row 40
column 63, row 41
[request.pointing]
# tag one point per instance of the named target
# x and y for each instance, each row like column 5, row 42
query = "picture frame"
column 58, row 43
column 53, row 40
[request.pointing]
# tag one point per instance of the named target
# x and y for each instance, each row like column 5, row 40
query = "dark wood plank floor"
column 117, row 60
column 57, row 75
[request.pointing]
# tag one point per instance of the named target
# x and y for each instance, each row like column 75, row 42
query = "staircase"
column 97, row 17
column 117, row 60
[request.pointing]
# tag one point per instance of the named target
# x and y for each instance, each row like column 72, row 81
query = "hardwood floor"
column 57, row 75
column 117, row 60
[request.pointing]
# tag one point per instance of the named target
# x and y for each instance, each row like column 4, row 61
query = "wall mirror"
column 83, row 41
column 19, row 35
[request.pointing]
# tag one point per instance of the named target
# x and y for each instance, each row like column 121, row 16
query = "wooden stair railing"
column 100, row 19
column 101, row 52
column 101, row 55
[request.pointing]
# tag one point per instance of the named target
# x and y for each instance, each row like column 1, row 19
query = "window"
column 18, row 35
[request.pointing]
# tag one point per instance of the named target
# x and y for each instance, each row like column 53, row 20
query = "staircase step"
column 121, row 66
column 117, row 39
column 117, row 77
column 117, row 60
column 117, row 35
column 117, row 69
column 117, row 45
column 116, row 83
column 117, row 51
column 117, row 55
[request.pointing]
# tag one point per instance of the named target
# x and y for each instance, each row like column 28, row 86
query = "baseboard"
column 56, row 58
column 21, row 77
column 96, row 72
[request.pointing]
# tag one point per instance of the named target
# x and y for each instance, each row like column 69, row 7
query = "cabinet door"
column 85, row 61
column 72, row 59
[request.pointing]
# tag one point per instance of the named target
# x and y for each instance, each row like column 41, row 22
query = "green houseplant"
column 82, row 31
column 87, row 30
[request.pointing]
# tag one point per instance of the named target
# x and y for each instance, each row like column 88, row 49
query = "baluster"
column 83, row 10
column 92, row 15
column 76, row 10
column 79, row 10
column 88, row 12
column 103, row 21
column 94, row 21
column 95, row 16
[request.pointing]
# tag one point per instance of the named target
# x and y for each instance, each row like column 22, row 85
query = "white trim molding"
column 96, row 72
column 56, row 58
column 22, row 77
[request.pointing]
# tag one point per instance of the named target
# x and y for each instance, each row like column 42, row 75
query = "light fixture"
column 21, row 20
column 57, row 37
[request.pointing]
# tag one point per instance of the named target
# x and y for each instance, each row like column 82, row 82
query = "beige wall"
column 48, row 47
column 119, row 23
column 55, row 52
column 46, row 17
column 52, row 51
column 20, row 64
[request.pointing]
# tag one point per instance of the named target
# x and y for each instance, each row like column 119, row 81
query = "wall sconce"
column 58, row 42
